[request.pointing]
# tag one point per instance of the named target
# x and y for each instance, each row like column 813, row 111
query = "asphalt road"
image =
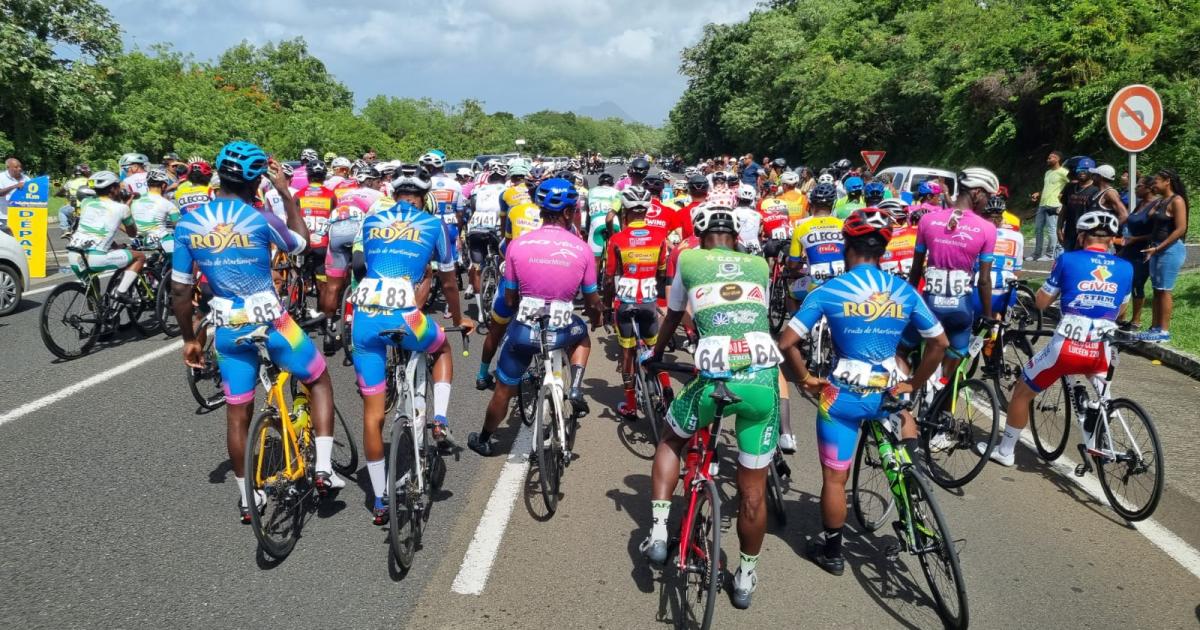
column 121, row 513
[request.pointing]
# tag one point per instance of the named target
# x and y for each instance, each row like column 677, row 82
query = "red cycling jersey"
column 637, row 255
column 316, row 203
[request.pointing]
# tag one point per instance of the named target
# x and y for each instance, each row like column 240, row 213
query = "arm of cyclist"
column 931, row 331
column 789, row 344
column 295, row 221
column 182, row 287
column 984, row 287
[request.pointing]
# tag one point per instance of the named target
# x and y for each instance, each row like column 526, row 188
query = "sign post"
column 27, row 216
column 1135, row 118
column 873, row 159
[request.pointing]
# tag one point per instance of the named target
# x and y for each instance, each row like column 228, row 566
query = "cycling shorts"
column 999, row 304
column 341, row 243
column 521, row 345
column 482, row 244
column 646, row 316
column 100, row 261
column 774, row 248
column 315, row 259
column 802, row 286
column 288, row 346
column 840, row 412
column 956, row 315
column 1063, row 357
column 370, row 349
column 757, row 426
column 501, row 313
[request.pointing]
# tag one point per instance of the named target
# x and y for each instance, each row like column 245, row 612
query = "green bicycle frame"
column 895, row 457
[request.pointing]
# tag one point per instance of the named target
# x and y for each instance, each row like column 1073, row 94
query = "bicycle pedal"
column 1080, row 470
column 892, row 553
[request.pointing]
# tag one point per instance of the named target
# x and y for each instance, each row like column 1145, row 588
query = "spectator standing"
column 1168, row 227
column 1137, row 237
column 12, row 179
column 1077, row 198
column 751, row 171
column 1045, row 222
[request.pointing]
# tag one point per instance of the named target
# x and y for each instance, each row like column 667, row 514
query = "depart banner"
column 28, row 212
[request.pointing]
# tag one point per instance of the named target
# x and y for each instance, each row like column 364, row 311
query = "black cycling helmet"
column 606, row 179
column 654, row 182
column 697, row 182
column 823, row 195
column 716, row 219
column 995, row 205
column 316, row 168
column 639, row 166
column 412, row 179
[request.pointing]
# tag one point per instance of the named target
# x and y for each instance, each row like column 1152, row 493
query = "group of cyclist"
column 648, row 254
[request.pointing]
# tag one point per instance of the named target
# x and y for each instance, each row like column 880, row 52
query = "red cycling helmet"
column 867, row 222
column 200, row 165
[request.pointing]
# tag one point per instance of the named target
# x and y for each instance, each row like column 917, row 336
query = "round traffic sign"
column 1135, row 116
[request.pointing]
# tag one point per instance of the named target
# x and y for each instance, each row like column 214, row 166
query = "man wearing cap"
column 1077, row 196
column 1108, row 198
column 12, row 178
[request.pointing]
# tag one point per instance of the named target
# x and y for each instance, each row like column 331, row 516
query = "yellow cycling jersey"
column 523, row 218
column 797, row 205
column 1010, row 220
column 189, row 196
column 512, row 197
column 816, row 239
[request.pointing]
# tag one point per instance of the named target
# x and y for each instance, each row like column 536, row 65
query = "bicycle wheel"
column 646, row 402
column 488, row 285
column 1132, row 475
column 278, row 525
column 527, row 392
column 1050, row 420
column 144, row 310
column 935, row 549
column 1023, row 312
column 345, row 452
column 775, row 491
column 205, row 382
column 401, row 485
column 548, row 444
column 954, row 426
column 777, row 314
column 700, row 575
column 822, row 351
column 391, row 394
column 69, row 322
column 1015, row 352
column 163, row 307
column 346, row 314
column 870, row 490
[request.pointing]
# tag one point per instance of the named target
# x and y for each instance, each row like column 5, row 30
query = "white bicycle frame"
column 409, row 412
column 553, row 363
column 1102, row 386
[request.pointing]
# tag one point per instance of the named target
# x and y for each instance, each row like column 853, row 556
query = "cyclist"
column 873, row 194
column 726, row 291
column 1092, row 284
column 517, row 191
column 299, row 179
column 399, row 244
column 637, row 171
column 853, row 200
column 602, row 200
column 483, row 223
column 662, row 215
column 635, row 273
column 863, row 298
column 797, row 202
column 154, row 214
column 776, row 233
column 195, row 190
column 898, row 257
column 99, row 219
column 447, row 193
column 1006, row 258
column 133, row 174
column 928, row 199
column 817, row 241
column 340, row 168
column 749, row 220
column 230, row 242
column 544, row 267
column 344, row 224
column 316, row 202
column 70, row 191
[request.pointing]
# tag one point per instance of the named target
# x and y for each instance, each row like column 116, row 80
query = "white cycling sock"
column 1008, row 441
column 660, row 511
column 748, row 564
column 127, row 279
column 241, row 484
column 324, row 453
column 441, row 399
column 378, row 472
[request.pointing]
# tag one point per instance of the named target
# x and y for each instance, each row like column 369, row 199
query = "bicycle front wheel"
column 646, row 401
column 951, row 430
column 144, row 311
column 871, row 492
column 1024, row 312
column 1050, row 420
column 548, row 444
column 69, row 322
column 205, row 382
column 1131, row 473
column 1006, row 369
column 401, row 482
column 277, row 525
column 345, row 451
column 775, row 490
column 936, row 550
column 163, row 307
column 699, row 569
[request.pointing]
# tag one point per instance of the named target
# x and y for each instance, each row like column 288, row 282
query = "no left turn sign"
column 1135, row 117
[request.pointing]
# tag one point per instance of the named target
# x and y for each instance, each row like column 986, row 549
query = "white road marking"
column 66, row 392
column 66, row 277
column 481, row 554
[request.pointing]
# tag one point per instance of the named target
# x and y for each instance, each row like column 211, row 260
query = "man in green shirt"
column 1049, row 205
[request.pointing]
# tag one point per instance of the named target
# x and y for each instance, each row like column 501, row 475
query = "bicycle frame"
column 553, row 362
column 273, row 381
column 406, row 411
column 1102, row 386
column 701, row 451
column 893, row 467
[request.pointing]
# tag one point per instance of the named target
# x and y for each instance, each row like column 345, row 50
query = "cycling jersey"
column 958, row 249
column 867, row 311
column 668, row 218
column 797, row 204
column 637, row 256
column 751, row 221
column 513, row 196
column 316, row 203
column 344, row 225
column 485, row 213
column 1006, row 262
column 447, row 194
column 845, row 206
column 601, row 201
column 776, row 223
column 188, row 196
column 99, row 220
column 343, row 188
column 153, row 215
column 898, row 256
column 135, row 184
column 522, row 219
column 1010, row 221
column 818, row 240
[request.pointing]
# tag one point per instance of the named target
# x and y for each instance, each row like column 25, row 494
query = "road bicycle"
column 416, row 468
column 1007, row 349
column 490, row 273
column 205, row 382
column 777, row 313
column 1117, row 435
column 652, row 398
column 280, row 455
column 553, row 428
column 77, row 313
column 884, row 478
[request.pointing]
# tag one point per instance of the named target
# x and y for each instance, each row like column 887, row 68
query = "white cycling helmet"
column 635, row 197
column 431, row 160
column 715, row 218
column 340, row 162
column 133, row 158
column 979, row 177
column 463, row 172
column 518, row 167
column 789, row 178
column 825, row 178
column 746, row 192
column 102, row 179
column 1098, row 222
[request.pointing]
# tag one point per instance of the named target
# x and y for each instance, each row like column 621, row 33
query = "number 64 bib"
column 713, row 354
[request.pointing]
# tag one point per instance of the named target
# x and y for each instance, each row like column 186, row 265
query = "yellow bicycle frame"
column 293, row 454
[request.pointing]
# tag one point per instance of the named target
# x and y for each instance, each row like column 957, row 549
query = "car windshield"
column 454, row 165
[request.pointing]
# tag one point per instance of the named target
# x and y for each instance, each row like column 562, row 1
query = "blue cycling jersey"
column 229, row 241
column 867, row 309
column 401, row 241
column 1093, row 283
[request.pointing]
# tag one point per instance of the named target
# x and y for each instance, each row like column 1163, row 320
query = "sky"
column 519, row 56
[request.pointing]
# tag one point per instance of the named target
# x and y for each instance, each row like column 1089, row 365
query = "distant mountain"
column 607, row 109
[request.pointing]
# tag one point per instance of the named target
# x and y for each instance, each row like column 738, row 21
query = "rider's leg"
column 443, row 375
column 579, row 359
column 787, row 439
column 131, row 271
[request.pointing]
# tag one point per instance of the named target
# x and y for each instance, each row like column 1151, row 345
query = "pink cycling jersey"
column 973, row 239
column 550, row 263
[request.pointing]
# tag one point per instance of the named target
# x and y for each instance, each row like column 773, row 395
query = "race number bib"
column 948, row 282
column 220, row 310
column 627, row 289
column 388, row 293
column 259, row 308
column 824, row 271
column 317, row 226
column 531, row 309
column 712, row 357
column 763, row 351
column 779, row 233
column 862, row 374
column 1080, row 328
column 481, row 221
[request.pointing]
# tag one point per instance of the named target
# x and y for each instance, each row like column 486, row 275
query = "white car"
column 14, row 273
column 905, row 179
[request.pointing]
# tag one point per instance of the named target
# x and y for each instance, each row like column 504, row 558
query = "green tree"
column 286, row 72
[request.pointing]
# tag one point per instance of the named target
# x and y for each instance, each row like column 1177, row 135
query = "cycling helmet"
column 715, row 219
column 779, row 163
column 359, row 166
column 308, row 155
column 925, row 189
column 654, row 182
column 535, row 174
column 747, row 193
column 842, row 164
column 564, row 174
column 824, row 195
column 896, row 208
column 316, row 168
column 139, row 158
column 287, row 169
column 635, row 197
column 825, row 178
column 639, row 166
column 697, row 182
column 690, row 170
column 241, row 161
column 979, row 177
column 914, row 217
column 556, row 195
column 83, row 169
column 101, row 180
column 518, row 168
column 387, row 168
column 874, row 193
column 499, row 168
column 367, row 174
column 606, row 179
column 789, row 179
column 464, row 172
column 574, row 164
column 339, row 162
column 719, row 176
column 196, row 164
column 432, row 159
column 412, row 179
column 867, row 223
column 1097, row 223
column 329, row 155
column 1085, row 164
column 853, row 184
column 995, row 205
column 158, row 176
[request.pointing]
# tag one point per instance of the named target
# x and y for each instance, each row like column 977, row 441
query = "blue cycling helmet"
column 924, row 189
column 556, row 195
column 874, row 190
column 241, row 162
column 854, row 184
column 1085, row 163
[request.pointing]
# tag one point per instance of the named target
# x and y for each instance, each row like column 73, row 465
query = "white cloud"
column 516, row 55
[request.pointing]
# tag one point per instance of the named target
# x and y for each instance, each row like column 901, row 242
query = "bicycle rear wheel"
column 871, row 492
column 1132, row 477
column 278, row 525
column 144, row 311
column 527, row 392
column 775, row 490
column 205, row 382
column 777, row 314
column 699, row 577
column 822, row 351
column 69, row 322
column 1024, row 312
column 489, row 282
column 646, row 384
column 1015, row 352
column 401, row 483
column 548, row 444
column 1050, row 419
column 936, row 550
column 345, row 451
column 163, row 307
column 951, row 430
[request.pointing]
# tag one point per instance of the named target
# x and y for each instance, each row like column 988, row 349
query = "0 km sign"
column 1135, row 116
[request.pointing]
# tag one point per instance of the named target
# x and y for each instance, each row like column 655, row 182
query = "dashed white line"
column 481, row 553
